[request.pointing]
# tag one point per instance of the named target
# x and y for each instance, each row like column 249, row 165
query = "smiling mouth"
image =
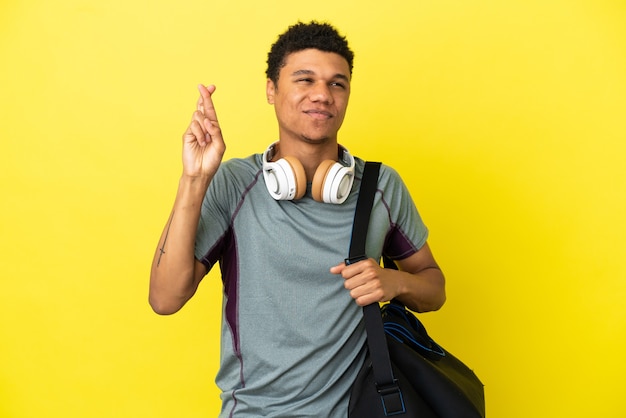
column 319, row 114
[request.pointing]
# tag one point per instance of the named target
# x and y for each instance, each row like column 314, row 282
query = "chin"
column 318, row 136
column 315, row 139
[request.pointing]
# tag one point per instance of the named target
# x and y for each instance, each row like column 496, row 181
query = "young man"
column 279, row 223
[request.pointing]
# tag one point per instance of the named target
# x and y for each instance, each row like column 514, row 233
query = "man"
column 279, row 224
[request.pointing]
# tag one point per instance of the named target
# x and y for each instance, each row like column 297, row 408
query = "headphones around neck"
column 285, row 179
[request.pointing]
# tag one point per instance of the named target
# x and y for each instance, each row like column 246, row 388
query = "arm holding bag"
column 406, row 373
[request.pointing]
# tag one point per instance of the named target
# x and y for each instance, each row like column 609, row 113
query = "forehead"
column 319, row 62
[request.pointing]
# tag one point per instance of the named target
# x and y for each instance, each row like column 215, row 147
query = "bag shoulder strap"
column 386, row 384
column 364, row 203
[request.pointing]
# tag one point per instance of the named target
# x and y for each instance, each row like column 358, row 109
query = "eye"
column 338, row 84
column 305, row 80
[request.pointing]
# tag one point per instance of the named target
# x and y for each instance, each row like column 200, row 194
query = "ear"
column 270, row 91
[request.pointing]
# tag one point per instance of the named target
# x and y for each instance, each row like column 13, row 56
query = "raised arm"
column 175, row 272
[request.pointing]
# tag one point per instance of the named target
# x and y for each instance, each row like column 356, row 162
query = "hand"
column 203, row 145
column 367, row 281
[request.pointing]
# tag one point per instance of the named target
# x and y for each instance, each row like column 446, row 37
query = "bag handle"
column 386, row 384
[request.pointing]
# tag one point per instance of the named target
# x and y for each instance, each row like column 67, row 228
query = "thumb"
column 338, row 268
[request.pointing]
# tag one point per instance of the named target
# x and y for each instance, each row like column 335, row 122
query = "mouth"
column 319, row 114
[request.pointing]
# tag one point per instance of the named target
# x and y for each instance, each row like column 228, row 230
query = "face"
column 311, row 95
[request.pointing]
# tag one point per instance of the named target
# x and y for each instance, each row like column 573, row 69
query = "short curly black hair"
column 300, row 36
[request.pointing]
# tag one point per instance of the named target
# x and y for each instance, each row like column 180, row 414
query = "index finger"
column 208, row 109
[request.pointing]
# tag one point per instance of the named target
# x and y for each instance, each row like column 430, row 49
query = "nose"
column 321, row 93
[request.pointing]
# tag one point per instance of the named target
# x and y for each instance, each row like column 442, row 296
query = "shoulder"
column 387, row 175
column 233, row 179
column 391, row 186
column 238, row 171
column 241, row 166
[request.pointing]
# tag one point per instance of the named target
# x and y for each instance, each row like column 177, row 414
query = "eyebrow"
column 311, row 72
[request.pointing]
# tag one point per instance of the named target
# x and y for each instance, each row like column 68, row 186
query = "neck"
column 309, row 154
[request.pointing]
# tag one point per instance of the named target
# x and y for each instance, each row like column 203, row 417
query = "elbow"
column 163, row 307
column 440, row 299
column 440, row 302
column 166, row 297
column 436, row 298
column 430, row 306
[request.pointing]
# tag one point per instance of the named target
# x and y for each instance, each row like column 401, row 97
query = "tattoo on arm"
column 167, row 233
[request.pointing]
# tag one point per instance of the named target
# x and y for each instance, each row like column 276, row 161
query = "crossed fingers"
column 204, row 125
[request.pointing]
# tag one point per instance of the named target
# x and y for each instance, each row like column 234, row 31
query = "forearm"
column 173, row 277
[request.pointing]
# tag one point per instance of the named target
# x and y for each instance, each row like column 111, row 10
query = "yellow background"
column 505, row 118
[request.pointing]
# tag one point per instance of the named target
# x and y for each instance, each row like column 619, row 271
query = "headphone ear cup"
column 299, row 176
column 319, row 179
column 285, row 179
column 332, row 182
